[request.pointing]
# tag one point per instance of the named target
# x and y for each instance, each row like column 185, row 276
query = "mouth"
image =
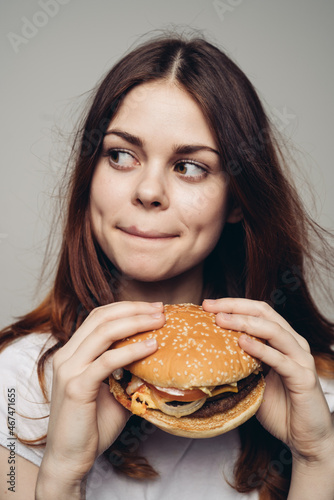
column 151, row 234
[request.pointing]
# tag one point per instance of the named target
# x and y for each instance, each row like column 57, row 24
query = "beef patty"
column 227, row 400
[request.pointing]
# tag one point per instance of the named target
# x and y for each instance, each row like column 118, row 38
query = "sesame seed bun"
column 194, row 352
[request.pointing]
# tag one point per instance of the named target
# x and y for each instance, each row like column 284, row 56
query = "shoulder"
column 19, row 360
column 18, row 371
column 28, row 345
column 23, row 405
column 23, row 353
column 20, row 390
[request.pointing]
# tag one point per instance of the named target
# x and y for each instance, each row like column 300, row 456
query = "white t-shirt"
column 191, row 468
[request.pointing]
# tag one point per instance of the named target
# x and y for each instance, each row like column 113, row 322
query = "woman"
column 178, row 194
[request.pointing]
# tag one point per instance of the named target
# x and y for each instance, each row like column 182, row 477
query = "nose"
column 151, row 189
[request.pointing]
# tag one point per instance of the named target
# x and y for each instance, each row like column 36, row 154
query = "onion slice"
column 175, row 394
column 180, row 410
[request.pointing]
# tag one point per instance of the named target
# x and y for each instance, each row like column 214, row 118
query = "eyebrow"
column 182, row 149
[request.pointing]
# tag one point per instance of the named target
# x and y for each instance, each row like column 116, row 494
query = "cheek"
column 96, row 205
column 104, row 198
column 102, row 202
column 206, row 207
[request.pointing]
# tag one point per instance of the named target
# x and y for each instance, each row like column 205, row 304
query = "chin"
column 149, row 272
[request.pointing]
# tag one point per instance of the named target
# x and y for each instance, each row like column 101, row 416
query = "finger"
column 110, row 427
column 297, row 376
column 106, row 334
column 249, row 307
column 271, row 332
column 110, row 360
column 231, row 305
column 107, row 313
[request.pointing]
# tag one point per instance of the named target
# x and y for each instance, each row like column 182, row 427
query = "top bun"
column 193, row 351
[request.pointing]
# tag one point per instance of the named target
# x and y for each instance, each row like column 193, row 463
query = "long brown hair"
column 265, row 256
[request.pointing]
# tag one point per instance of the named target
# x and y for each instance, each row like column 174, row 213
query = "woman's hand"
column 85, row 419
column 294, row 408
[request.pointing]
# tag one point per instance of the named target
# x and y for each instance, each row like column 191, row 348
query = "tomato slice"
column 175, row 394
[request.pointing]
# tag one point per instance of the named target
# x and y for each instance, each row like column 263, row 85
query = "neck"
column 185, row 288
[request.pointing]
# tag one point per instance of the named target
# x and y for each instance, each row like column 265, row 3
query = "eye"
column 190, row 170
column 121, row 159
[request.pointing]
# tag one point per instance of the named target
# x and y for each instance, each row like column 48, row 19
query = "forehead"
column 163, row 108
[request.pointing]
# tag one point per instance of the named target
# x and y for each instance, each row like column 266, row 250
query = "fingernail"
column 151, row 342
column 156, row 315
column 156, row 304
column 210, row 302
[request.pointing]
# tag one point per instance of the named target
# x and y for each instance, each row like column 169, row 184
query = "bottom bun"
column 197, row 428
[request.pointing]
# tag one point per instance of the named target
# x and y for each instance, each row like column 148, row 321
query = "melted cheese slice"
column 141, row 400
column 220, row 390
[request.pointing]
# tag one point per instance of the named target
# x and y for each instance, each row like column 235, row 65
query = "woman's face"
column 158, row 195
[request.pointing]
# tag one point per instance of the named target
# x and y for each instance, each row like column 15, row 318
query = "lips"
column 150, row 234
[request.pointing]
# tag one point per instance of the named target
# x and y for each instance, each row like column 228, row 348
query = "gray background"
column 284, row 46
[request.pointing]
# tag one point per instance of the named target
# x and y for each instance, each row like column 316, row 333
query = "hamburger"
column 199, row 383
